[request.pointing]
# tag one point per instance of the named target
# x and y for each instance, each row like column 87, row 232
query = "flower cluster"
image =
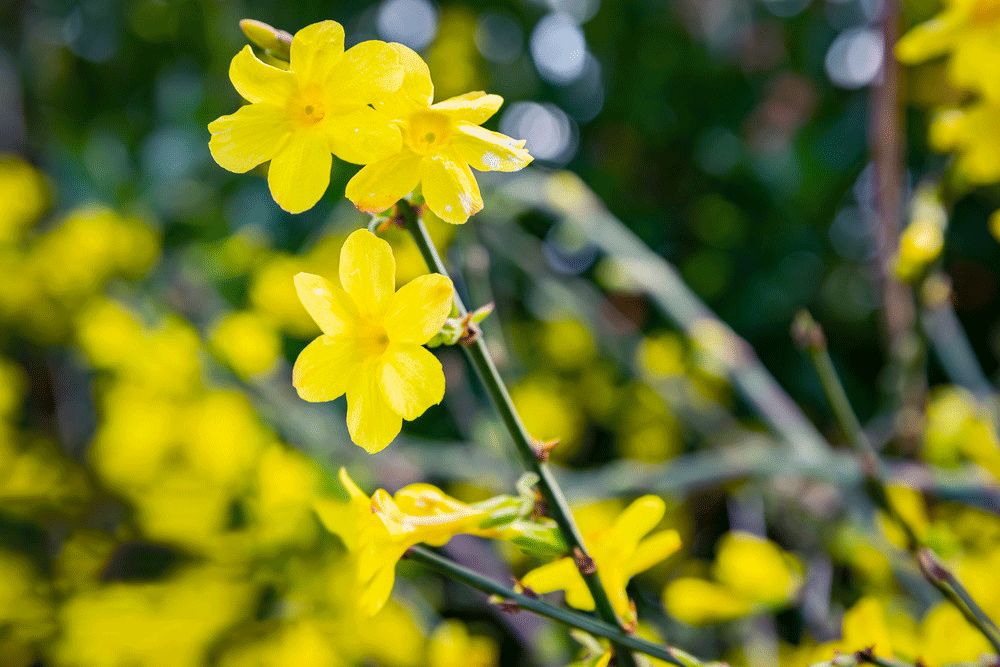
column 371, row 105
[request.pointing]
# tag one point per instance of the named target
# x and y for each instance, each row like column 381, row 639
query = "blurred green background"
column 729, row 135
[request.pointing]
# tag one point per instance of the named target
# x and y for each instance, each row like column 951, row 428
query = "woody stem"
column 811, row 338
column 532, row 459
column 573, row 619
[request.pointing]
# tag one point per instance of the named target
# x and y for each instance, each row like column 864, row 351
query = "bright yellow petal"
column 489, row 151
column 257, row 81
column 475, row 108
column 652, row 550
column 417, row 90
column 450, row 188
column 371, row 421
column 315, row 50
column 340, row 519
column 329, row 306
column 381, row 184
column 419, row 309
column 927, row 40
column 367, row 73
column 250, row 137
column 411, row 379
column 561, row 575
column 300, row 172
column 325, row 369
column 640, row 517
column 363, row 136
column 368, row 271
column 698, row 602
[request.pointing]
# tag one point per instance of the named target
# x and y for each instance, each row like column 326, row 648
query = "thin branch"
column 811, row 338
column 532, row 459
column 514, row 600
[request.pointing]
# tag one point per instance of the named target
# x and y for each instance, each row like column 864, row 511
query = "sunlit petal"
column 372, row 422
column 476, row 107
column 381, row 184
column 257, row 81
column 411, row 379
column 300, row 172
column 250, row 137
column 328, row 304
column 325, row 368
column 368, row 271
column 419, row 309
column 450, row 188
column 315, row 50
column 489, row 151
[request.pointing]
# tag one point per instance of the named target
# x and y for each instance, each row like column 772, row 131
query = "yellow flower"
column 380, row 529
column 23, row 197
column 966, row 31
column 451, row 645
column 620, row 550
column 247, row 342
column 371, row 343
column 297, row 117
column 750, row 572
column 440, row 142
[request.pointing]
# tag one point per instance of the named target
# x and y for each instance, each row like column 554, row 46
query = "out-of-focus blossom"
column 750, row 574
column 247, row 342
column 451, row 645
column 23, row 197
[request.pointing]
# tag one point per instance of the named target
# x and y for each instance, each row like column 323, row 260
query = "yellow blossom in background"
column 379, row 530
column 548, row 413
column 451, row 645
column 621, row 550
column 371, row 347
column 297, row 117
column 247, row 342
column 871, row 623
column 300, row 644
column 169, row 623
column 440, row 143
column 23, row 197
column 965, row 31
column 750, row 574
column 972, row 134
column 959, row 428
column 946, row 637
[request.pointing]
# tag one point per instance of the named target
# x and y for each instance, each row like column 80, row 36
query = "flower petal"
column 315, row 50
column 476, row 107
column 368, row 271
column 325, row 369
column 371, row 422
column 368, row 72
column 363, row 135
column 489, row 151
column 300, row 172
column 411, row 379
column 250, row 137
column 329, row 306
column 928, row 40
column 381, row 184
column 640, row 517
column 257, row 81
column 449, row 187
column 561, row 575
column 417, row 89
column 419, row 309
column 655, row 548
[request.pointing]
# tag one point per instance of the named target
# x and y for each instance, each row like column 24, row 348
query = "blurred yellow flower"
column 371, row 347
column 451, row 645
column 440, row 142
column 967, row 32
column 750, row 573
column 380, row 529
column 298, row 117
column 23, row 197
column 621, row 550
column 247, row 342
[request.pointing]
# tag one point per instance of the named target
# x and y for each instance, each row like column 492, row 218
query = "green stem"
column 573, row 619
column 555, row 502
column 810, row 337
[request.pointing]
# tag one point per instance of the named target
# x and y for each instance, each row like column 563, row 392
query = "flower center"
column 986, row 12
column 427, row 131
column 306, row 106
column 373, row 339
